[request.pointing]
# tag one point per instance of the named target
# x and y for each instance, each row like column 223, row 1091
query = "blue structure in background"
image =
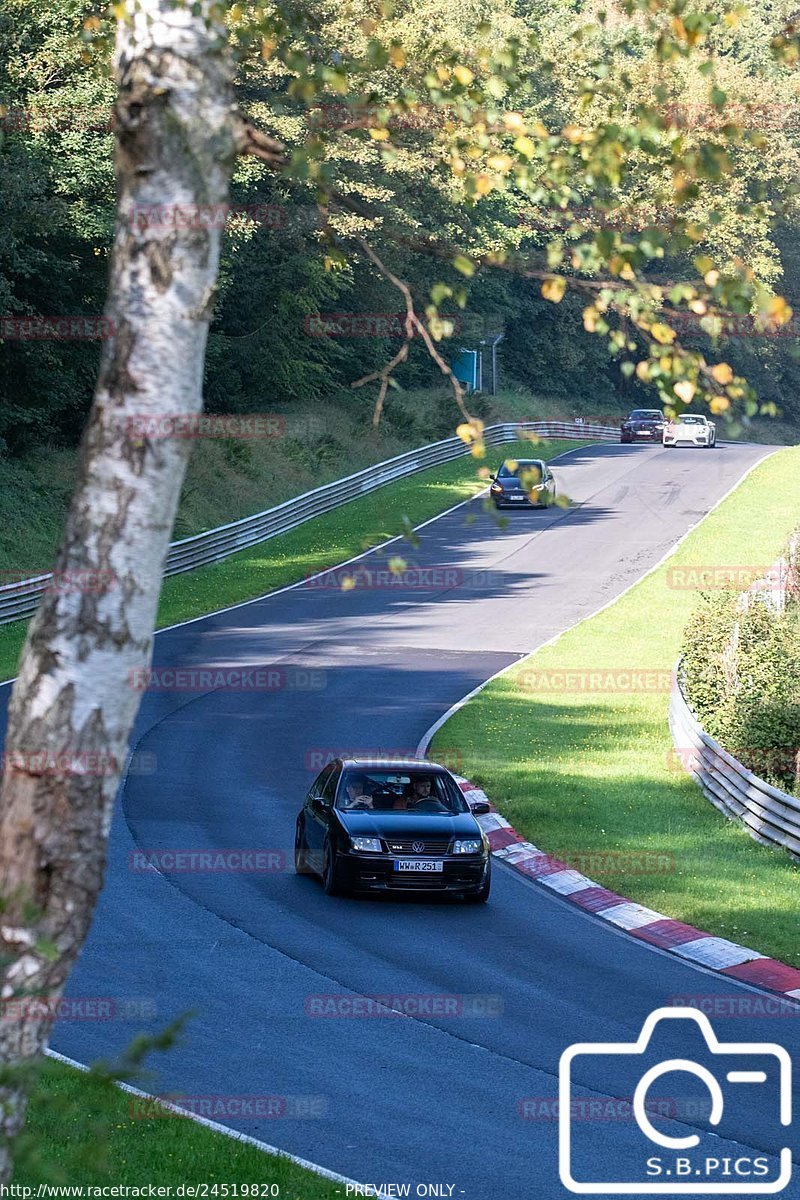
column 468, row 367
column 465, row 369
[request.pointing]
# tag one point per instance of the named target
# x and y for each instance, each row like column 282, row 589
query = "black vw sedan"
column 390, row 825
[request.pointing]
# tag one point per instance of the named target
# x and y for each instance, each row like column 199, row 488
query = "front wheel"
column 482, row 894
column 301, row 851
column 330, row 874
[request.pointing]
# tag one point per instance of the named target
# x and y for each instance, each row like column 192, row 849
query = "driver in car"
column 421, row 790
column 355, row 794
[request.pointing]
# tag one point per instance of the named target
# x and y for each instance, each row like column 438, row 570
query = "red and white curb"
column 716, row 953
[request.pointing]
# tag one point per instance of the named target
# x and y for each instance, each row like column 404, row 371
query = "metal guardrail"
column 20, row 599
column 769, row 815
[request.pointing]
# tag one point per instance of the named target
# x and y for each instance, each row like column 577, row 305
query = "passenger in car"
column 356, row 795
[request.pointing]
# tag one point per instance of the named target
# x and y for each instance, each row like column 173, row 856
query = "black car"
column 384, row 825
column 523, row 483
column 643, row 425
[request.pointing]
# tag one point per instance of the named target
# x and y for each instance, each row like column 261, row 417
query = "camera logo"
column 687, row 1163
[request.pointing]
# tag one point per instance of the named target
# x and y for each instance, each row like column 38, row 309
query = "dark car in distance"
column 392, row 826
column 643, row 425
column 523, row 483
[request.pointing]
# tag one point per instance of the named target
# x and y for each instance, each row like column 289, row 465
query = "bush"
column 742, row 678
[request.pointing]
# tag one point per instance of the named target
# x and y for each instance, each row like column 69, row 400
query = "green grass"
column 319, row 543
column 581, row 772
column 81, row 1130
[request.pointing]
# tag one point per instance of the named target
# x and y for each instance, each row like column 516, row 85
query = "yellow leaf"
column 463, row 75
column 779, row 311
column 553, row 289
column 397, row 56
column 643, row 370
column 500, row 162
column 685, row 390
column 711, row 278
column 662, row 333
column 722, row 373
column 466, row 432
column 573, row 134
column 348, row 583
column 483, row 184
column 397, row 565
column 719, row 404
column 514, row 122
column 268, row 47
column 590, row 317
column 91, row 24
column 379, row 135
column 525, row 146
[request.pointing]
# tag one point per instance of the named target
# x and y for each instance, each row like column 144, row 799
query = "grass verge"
column 322, row 542
column 81, row 1130
column 588, row 771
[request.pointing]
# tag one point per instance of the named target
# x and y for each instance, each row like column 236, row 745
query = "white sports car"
column 691, row 429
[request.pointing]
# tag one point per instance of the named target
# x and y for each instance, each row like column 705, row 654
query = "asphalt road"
column 462, row 1097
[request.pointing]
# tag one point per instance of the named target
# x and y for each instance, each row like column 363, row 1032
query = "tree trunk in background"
column 73, row 707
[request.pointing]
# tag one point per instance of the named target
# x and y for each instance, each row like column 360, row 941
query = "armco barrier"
column 768, row 814
column 18, row 600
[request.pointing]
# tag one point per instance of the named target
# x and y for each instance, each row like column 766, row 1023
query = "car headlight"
column 495, row 488
column 373, row 845
column 467, row 846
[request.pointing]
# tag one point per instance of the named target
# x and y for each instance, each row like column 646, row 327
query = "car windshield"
column 400, row 791
column 686, row 420
column 529, row 468
column 645, row 414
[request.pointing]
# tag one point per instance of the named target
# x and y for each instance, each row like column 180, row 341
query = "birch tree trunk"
column 72, row 707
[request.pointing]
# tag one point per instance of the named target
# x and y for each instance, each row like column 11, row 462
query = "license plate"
column 517, row 497
column 643, row 432
column 418, row 864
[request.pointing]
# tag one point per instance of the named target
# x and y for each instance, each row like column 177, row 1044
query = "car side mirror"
column 493, row 477
column 479, row 808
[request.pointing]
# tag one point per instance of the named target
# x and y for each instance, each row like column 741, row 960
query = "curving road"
column 462, row 1098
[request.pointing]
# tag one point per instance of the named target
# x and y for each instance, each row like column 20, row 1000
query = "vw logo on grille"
column 418, row 847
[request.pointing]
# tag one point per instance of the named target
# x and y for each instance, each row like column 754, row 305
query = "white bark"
column 176, row 143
